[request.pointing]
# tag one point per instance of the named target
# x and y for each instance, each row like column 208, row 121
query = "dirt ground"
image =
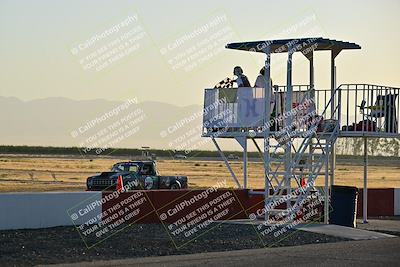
column 66, row 173
column 31, row 247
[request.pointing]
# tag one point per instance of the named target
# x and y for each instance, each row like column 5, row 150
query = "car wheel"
column 175, row 186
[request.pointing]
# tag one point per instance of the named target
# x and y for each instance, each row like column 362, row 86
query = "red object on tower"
column 120, row 184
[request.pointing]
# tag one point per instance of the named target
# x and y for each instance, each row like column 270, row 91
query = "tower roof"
column 300, row 44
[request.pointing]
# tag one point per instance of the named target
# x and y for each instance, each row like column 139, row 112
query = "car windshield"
column 125, row 167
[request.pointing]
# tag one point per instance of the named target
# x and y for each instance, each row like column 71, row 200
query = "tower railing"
column 240, row 110
column 366, row 109
column 370, row 110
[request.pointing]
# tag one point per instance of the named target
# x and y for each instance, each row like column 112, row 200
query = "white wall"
column 397, row 201
column 41, row 210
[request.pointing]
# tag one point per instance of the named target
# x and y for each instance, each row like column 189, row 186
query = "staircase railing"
column 314, row 161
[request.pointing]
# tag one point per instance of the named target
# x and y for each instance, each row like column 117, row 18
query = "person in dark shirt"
column 241, row 79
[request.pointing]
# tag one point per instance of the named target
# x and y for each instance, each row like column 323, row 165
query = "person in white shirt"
column 260, row 81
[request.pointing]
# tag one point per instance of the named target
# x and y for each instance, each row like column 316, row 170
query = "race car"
column 138, row 175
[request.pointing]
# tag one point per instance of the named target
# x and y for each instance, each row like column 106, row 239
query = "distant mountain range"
column 52, row 122
column 65, row 122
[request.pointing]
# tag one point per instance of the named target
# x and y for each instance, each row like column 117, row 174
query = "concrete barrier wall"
column 381, row 202
column 165, row 202
column 40, row 210
column 397, row 201
column 50, row 209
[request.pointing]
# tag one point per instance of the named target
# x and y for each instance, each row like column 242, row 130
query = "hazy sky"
column 38, row 39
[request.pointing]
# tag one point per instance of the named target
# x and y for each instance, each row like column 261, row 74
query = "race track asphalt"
column 379, row 252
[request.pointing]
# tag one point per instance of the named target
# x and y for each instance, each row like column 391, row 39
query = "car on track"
column 138, row 174
column 232, row 156
column 180, row 156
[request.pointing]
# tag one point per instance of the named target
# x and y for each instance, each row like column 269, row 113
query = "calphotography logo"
column 111, row 45
column 107, row 130
column 199, row 45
